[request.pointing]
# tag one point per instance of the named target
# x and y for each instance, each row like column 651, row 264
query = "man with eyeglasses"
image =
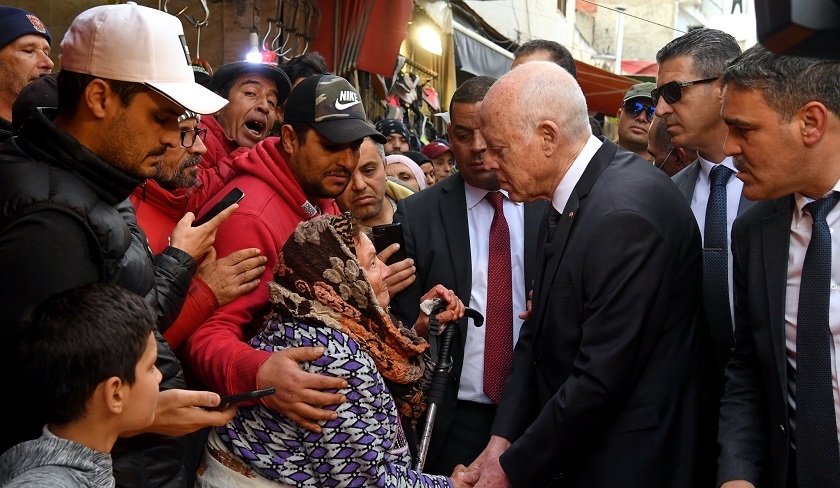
column 634, row 118
column 688, row 99
column 161, row 202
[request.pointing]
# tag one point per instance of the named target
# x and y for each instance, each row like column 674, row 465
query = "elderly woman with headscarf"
column 405, row 170
column 329, row 291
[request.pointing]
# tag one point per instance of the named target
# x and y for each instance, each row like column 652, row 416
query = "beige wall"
column 641, row 39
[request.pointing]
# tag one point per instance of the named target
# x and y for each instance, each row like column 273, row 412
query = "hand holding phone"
column 234, row 196
column 387, row 234
column 227, row 400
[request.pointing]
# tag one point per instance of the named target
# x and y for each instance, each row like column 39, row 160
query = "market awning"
column 476, row 55
column 603, row 90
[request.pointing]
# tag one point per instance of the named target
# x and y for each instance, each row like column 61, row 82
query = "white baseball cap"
column 137, row 44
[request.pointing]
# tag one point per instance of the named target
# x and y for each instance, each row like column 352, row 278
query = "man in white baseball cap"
column 66, row 221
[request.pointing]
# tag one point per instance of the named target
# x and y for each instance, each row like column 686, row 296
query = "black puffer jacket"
column 65, row 220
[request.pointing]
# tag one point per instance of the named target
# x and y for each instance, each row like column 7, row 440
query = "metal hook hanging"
column 311, row 34
column 166, row 9
column 199, row 25
column 291, row 28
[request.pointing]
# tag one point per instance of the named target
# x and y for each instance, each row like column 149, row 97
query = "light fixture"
column 429, row 39
column 254, row 55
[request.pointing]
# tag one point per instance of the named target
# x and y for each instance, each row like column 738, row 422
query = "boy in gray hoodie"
column 92, row 351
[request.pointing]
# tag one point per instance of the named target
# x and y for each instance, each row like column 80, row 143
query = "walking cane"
column 441, row 374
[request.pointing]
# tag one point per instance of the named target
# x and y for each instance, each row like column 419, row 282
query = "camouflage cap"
column 332, row 107
column 640, row 90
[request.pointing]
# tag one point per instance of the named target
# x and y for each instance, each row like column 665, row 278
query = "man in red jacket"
column 285, row 181
column 160, row 203
column 254, row 91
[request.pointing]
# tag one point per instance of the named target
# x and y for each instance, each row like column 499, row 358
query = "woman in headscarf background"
column 329, row 291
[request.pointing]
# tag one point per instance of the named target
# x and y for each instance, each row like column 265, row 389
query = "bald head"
column 539, row 90
column 535, row 123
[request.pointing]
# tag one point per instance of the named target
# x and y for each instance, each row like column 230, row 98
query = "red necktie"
column 498, row 341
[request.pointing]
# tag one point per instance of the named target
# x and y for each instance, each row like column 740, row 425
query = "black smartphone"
column 227, row 400
column 233, row 196
column 387, row 234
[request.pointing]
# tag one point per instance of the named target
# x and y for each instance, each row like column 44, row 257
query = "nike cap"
column 136, row 44
column 331, row 106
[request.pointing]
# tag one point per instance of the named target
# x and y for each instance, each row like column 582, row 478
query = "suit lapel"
column 453, row 213
column 555, row 249
column 686, row 179
column 775, row 242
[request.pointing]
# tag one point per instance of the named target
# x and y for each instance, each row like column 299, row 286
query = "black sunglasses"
column 633, row 109
column 188, row 136
column 672, row 92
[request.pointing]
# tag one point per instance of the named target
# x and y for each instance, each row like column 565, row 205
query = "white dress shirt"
column 733, row 198
column 480, row 214
column 572, row 176
column 800, row 236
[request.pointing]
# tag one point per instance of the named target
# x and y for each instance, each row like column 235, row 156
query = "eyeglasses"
column 660, row 165
column 633, row 109
column 188, row 136
column 672, row 92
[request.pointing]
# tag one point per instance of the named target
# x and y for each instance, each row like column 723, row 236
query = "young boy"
column 92, row 351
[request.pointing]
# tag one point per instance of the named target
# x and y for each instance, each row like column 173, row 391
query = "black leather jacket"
column 65, row 220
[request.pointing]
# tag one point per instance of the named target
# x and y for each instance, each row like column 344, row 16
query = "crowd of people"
column 661, row 310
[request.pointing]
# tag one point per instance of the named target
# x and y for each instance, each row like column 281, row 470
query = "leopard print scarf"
column 318, row 278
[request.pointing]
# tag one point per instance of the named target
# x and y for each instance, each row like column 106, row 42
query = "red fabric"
column 216, row 164
column 158, row 211
column 217, row 352
column 383, row 35
column 498, row 340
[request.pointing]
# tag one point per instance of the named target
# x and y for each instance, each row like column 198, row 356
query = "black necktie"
column 817, row 453
column 553, row 218
column 716, row 256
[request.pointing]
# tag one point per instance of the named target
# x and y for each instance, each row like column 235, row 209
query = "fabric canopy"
column 604, row 91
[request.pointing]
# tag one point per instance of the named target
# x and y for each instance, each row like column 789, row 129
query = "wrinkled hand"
column 527, row 313
column 495, row 448
column 180, row 412
column 456, row 480
column 197, row 241
column 299, row 396
column 234, row 275
column 400, row 274
column 453, row 313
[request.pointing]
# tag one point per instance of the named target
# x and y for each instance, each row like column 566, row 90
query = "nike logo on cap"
column 345, row 106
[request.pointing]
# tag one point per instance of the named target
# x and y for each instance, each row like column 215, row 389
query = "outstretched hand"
column 197, row 241
column 300, row 394
column 181, row 412
column 400, row 274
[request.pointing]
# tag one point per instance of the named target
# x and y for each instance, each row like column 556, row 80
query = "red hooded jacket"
column 274, row 204
column 216, row 168
column 158, row 211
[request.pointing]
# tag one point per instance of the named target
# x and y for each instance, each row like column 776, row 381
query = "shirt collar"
column 572, row 176
column 802, row 200
column 475, row 195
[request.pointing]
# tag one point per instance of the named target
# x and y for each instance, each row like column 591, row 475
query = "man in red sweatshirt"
column 285, row 181
column 254, row 91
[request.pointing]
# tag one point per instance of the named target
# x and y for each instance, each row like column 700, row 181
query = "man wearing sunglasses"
column 634, row 118
column 688, row 99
